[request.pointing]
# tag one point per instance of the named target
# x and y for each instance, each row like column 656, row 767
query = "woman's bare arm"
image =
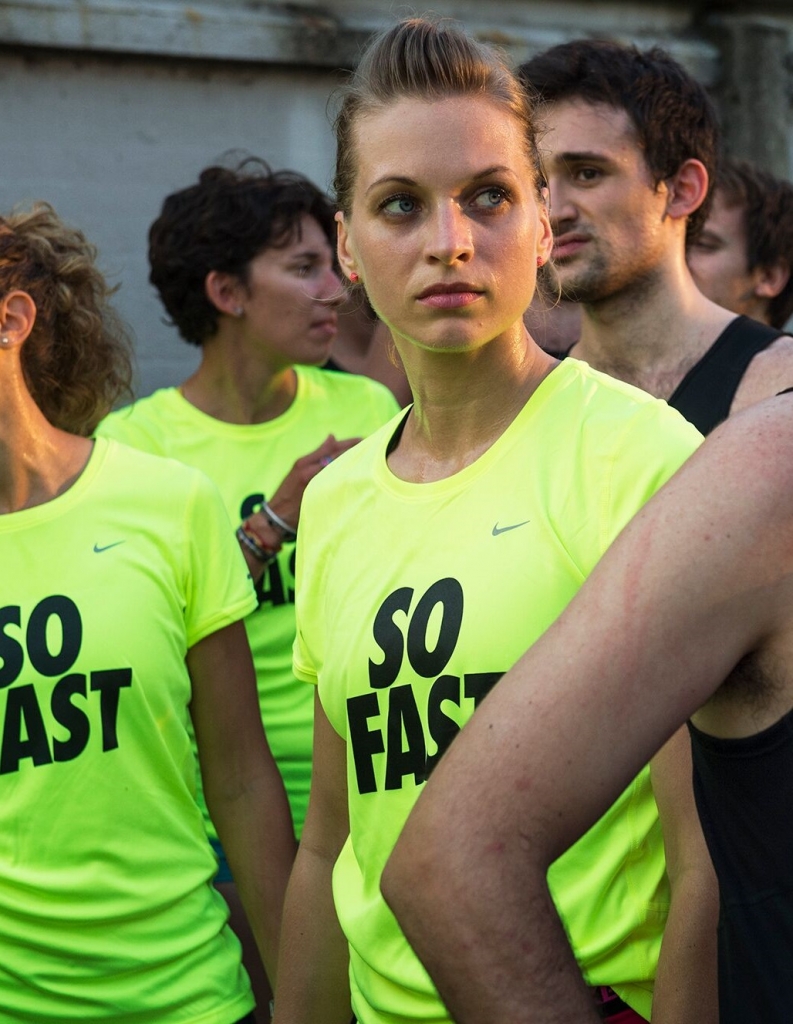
column 243, row 788
column 313, row 982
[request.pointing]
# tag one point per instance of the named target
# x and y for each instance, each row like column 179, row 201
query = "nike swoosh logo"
column 107, row 547
column 503, row 529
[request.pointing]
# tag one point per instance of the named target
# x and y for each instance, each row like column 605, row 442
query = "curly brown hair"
column 222, row 223
column 77, row 360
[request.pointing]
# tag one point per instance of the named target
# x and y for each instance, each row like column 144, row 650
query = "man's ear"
column 687, row 189
column 225, row 292
column 769, row 281
column 347, row 260
column 17, row 317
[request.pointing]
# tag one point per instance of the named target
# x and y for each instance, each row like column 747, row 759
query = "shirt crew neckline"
column 48, row 510
column 558, row 378
column 218, row 427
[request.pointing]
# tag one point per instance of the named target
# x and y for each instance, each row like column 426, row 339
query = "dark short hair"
column 222, row 223
column 767, row 206
column 77, row 361
column 671, row 113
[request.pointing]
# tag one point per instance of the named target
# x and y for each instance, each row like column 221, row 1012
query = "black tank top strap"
column 704, row 396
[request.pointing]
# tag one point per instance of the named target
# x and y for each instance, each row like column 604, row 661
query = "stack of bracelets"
column 260, row 548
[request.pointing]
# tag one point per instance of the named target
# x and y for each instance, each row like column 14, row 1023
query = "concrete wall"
column 111, row 104
column 104, row 141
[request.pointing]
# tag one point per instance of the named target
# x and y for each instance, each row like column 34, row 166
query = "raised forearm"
column 493, row 957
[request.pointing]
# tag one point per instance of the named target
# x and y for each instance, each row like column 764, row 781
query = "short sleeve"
column 219, row 589
column 308, row 617
column 126, row 426
column 649, row 449
column 385, row 406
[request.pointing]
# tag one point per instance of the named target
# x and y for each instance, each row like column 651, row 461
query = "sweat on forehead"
column 423, row 59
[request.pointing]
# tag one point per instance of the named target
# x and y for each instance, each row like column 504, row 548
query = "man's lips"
column 452, row 295
column 568, row 245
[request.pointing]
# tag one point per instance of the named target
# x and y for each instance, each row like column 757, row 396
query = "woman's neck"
column 235, row 388
column 463, row 403
column 38, row 462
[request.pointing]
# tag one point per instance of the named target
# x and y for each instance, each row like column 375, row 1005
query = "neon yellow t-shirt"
column 414, row 598
column 247, row 462
column 106, row 908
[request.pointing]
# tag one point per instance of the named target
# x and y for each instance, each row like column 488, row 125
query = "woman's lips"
column 450, row 296
column 327, row 327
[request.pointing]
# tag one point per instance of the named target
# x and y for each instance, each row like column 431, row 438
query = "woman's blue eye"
column 491, row 198
column 400, row 204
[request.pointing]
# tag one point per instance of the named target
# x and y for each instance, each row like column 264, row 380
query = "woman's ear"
column 225, row 292
column 17, row 317
column 347, row 260
column 545, row 239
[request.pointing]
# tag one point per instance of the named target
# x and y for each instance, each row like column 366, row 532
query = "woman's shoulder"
column 604, row 426
column 359, row 463
column 147, row 475
column 347, row 388
column 598, row 394
column 145, row 422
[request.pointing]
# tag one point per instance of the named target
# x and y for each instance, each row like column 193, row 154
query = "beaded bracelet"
column 278, row 523
column 253, row 542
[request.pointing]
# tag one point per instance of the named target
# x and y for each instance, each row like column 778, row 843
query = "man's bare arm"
column 770, row 372
column 701, row 577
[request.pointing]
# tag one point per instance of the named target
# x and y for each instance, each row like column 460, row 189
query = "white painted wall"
column 106, row 140
column 109, row 105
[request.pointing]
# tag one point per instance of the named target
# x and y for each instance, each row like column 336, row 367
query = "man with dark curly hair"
column 743, row 257
column 631, row 149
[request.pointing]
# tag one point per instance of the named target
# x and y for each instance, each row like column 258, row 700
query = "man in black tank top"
column 630, row 151
column 689, row 614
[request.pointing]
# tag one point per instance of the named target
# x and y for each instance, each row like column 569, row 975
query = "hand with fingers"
column 276, row 521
